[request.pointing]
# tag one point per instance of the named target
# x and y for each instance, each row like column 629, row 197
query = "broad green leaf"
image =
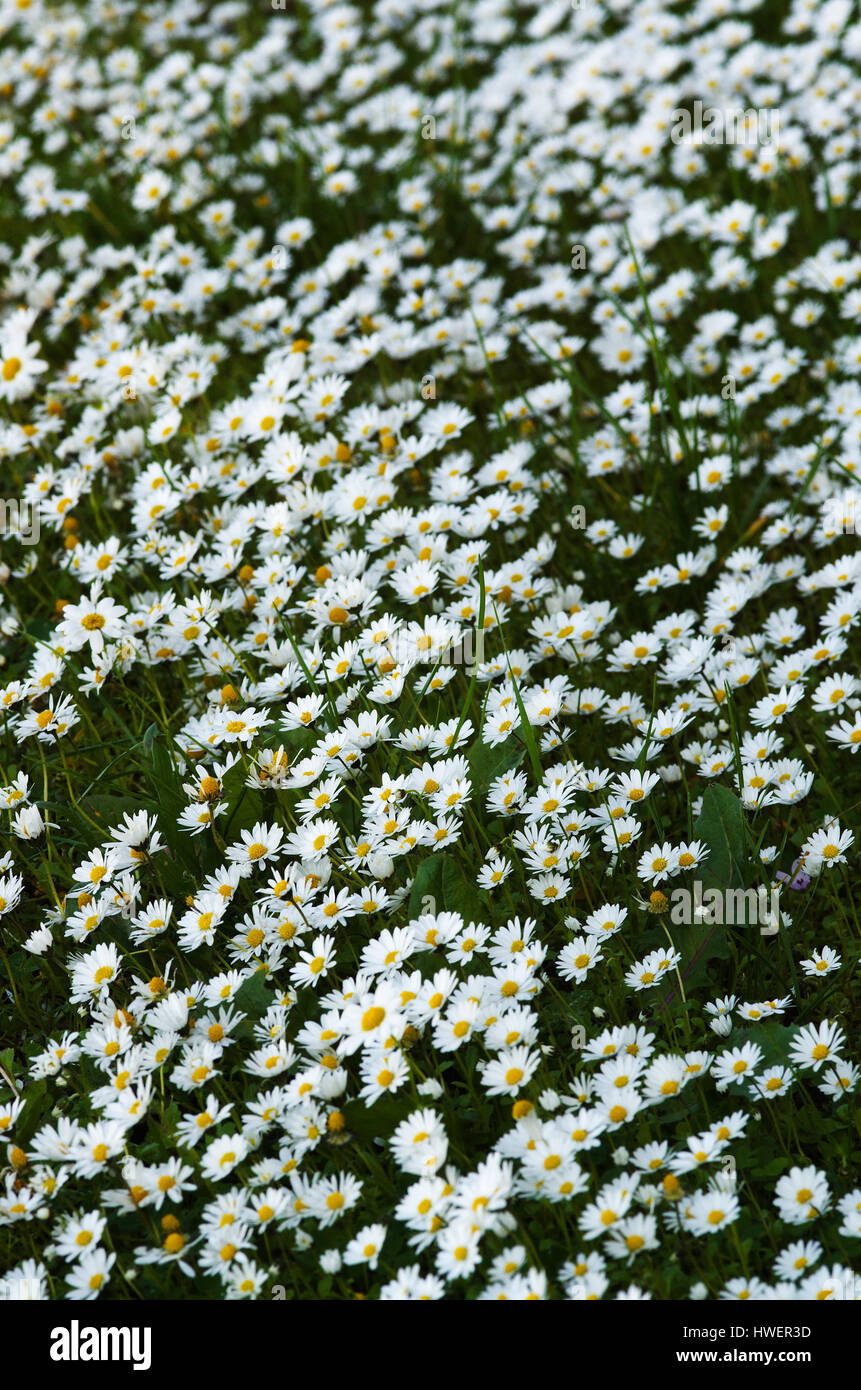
column 36, row 1104
column 721, row 825
column 772, row 1036
column 486, row 763
column 426, row 884
column 170, row 802
column 367, row 1122
column 252, row 997
column 459, row 893
column 109, row 810
column 441, row 878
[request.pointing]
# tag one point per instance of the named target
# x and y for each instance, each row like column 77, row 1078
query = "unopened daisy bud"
column 38, row 941
column 28, row 823
column 673, row 773
column 381, row 864
column 431, row 1088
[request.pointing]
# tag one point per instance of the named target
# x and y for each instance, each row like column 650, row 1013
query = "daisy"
column 20, row 364
column 814, row 1045
column 91, row 622
column 510, row 1071
column 826, row 847
column 801, row 1195
column 822, row 962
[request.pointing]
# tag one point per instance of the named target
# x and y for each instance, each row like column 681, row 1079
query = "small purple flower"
column 797, row 881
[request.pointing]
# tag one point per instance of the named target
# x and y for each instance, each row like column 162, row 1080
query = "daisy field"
column 430, row 485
